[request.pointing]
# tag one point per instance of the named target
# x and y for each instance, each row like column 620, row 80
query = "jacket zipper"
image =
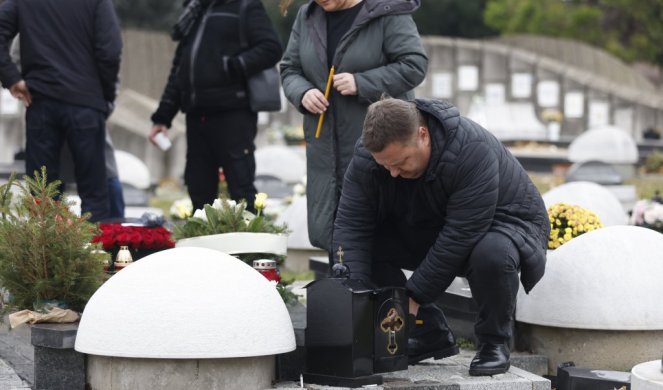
column 194, row 52
column 196, row 47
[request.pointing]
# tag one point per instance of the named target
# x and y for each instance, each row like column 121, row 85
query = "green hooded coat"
column 385, row 53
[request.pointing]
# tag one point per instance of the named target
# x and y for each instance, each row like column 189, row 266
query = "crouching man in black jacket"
column 430, row 191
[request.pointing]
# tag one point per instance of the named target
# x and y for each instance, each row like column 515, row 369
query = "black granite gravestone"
column 354, row 331
column 57, row 365
column 570, row 377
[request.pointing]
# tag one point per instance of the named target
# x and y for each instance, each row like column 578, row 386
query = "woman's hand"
column 314, row 101
column 345, row 84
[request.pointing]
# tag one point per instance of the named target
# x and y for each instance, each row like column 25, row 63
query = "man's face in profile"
column 408, row 160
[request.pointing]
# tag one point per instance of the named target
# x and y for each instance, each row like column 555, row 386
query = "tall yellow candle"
column 327, row 89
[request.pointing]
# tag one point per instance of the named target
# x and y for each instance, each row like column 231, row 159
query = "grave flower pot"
column 240, row 243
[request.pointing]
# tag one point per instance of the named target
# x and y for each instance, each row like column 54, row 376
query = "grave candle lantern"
column 268, row 269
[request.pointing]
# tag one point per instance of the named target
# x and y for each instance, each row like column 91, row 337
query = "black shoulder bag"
column 263, row 88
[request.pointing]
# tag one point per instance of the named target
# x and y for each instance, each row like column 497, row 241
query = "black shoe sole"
column 437, row 354
column 489, row 371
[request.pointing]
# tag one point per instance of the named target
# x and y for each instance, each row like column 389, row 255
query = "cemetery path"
column 16, row 358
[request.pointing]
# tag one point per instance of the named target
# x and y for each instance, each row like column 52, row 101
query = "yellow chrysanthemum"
column 569, row 221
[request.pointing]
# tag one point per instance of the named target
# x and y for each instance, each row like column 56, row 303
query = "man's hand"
column 156, row 129
column 314, row 101
column 414, row 307
column 20, row 91
column 345, row 84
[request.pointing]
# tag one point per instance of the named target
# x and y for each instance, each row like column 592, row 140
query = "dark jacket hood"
column 376, row 8
column 442, row 131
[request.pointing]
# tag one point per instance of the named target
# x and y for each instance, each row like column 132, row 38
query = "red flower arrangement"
column 135, row 237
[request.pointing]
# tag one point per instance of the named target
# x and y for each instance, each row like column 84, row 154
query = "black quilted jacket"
column 472, row 185
column 210, row 67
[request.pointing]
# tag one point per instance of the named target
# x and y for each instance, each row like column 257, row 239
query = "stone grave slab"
column 598, row 172
column 446, row 374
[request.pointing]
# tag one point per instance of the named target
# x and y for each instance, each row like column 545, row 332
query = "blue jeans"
column 51, row 123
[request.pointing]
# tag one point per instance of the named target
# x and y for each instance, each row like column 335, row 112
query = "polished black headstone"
column 570, row 377
column 354, row 331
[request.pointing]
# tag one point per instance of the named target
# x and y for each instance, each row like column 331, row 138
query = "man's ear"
column 423, row 133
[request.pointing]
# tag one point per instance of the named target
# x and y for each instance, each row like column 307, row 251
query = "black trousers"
column 491, row 270
column 51, row 123
column 220, row 140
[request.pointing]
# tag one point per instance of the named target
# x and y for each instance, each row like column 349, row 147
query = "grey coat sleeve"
column 295, row 84
column 470, row 213
column 406, row 62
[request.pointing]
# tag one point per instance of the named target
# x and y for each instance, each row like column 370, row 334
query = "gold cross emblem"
column 391, row 324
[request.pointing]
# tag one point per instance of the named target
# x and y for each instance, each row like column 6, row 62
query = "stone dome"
column 591, row 196
column 608, row 279
column 609, row 144
column 186, row 303
column 295, row 218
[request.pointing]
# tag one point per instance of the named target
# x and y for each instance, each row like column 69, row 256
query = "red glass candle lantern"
column 268, row 269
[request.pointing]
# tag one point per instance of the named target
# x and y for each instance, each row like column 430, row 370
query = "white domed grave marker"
column 190, row 318
column 591, row 196
column 599, row 302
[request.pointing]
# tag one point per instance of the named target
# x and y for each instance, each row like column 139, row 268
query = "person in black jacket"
column 208, row 82
column 431, row 191
column 70, row 57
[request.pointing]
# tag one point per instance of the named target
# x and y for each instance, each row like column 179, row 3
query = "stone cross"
column 340, row 254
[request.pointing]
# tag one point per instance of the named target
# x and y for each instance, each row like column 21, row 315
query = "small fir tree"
column 45, row 250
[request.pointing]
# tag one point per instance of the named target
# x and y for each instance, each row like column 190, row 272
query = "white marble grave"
column 295, row 217
column 131, row 170
column 192, row 318
column 300, row 249
column 508, row 120
column 591, row 196
column 647, row 376
column 598, row 303
column 283, row 162
column 604, row 143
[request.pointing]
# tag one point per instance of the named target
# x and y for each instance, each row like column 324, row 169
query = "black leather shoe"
column 430, row 337
column 492, row 359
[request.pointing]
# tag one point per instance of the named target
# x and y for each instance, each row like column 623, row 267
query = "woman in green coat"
column 375, row 49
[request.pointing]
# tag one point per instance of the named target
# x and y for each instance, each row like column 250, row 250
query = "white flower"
column 637, row 215
column 217, row 204
column 653, row 213
column 200, row 214
column 181, row 208
column 299, row 189
column 261, row 198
